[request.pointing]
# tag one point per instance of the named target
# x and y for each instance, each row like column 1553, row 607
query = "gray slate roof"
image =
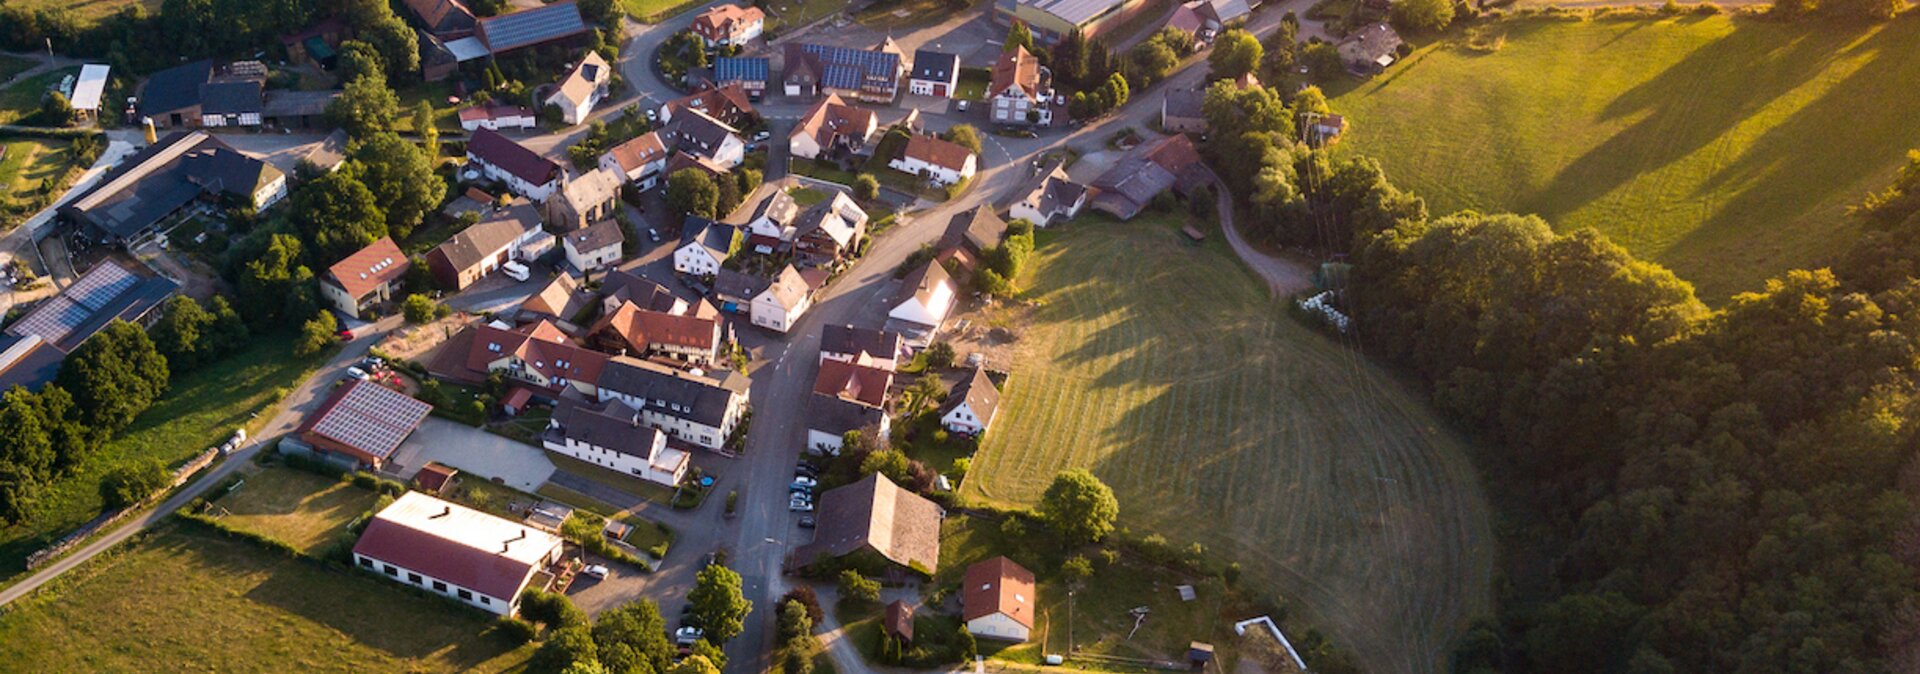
column 668, row 391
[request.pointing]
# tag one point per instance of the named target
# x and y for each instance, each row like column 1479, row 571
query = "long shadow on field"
column 1691, row 104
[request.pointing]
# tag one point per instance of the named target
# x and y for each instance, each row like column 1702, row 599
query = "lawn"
column 1188, row 389
column 1707, row 144
column 13, row 65
column 806, row 196
column 30, row 161
column 90, row 10
column 22, row 100
column 786, row 15
column 200, row 410
column 973, row 84
column 649, row 490
column 307, row 510
column 183, row 600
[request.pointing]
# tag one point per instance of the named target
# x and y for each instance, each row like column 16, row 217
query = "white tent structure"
column 88, row 89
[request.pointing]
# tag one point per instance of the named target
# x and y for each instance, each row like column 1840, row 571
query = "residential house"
column 483, row 561
column 594, row 247
column 1016, row 90
column 369, row 276
column 1370, row 49
column 495, row 116
column 445, row 19
column 831, row 126
column 920, row 305
column 750, row 73
column 1180, row 111
column 779, row 306
column 1052, row 20
column 582, row 89
column 1323, row 130
column 1204, row 19
column 621, row 287
column 329, row 153
column 729, row 25
column 698, row 134
column 698, row 339
column 970, row 405
column 32, row 347
column 538, row 355
column 482, row 247
column 1133, row 181
column 734, row 291
column 559, row 301
column 871, row 75
column 613, row 436
column 523, row 171
column 830, row 418
column 934, row 74
column 862, row 346
column 727, row 103
column 592, row 197
column 997, row 600
column 700, row 409
column 830, row 231
column 197, row 94
column 853, row 382
column 939, row 161
column 969, row 234
column 681, row 161
column 774, row 224
column 152, row 186
column 704, row 246
column 364, row 422
column 877, row 522
column 560, row 22
column 642, row 160
column 1048, row 196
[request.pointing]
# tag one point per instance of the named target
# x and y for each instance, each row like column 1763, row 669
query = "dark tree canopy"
column 1078, row 506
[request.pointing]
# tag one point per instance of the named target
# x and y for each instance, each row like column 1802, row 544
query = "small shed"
column 517, row 400
column 1193, row 235
column 549, row 515
column 434, row 477
column 899, row 622
column 1199, row 653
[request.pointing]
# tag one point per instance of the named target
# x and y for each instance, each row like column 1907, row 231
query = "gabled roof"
column 938, row 152
column 857, row 342
column 788, row 289
column 716, row 238
column 833, row 117
column 707, row 133
column 727, row 104
column 977, row 228
column 701, row 399
column 376, row 265
column 443, row 17
column 541, row 346
column 998, row 586
column 1375, row 40
column 610, row 425
column 592, row 189
column 835, row 416
column 561, row 298
column 839, row 218
column 1228, row 10
column 935, row 66
column 84, row 307
column 643, row 149
column 231, row 98
column 898, row 621
column 846, row 68
column 1077, row 12
column 1050, row 190
column 595, row 236
column 489, row 146
column 526, row 28
column 727, row 69
column 779, row 208
column 722, row 22
column 365, row 418
column 876, row 513
column 626, row 287
column 589, row 74
column 863, row 384
column 980, row 395
column 1184, row 103
column 174, row 88
column 681, row 160
column 641, row 328
column 730, row 283
column 1016, row 68
column 159, row 179
column 457, row 544
column 497, row 230
column 920, row 286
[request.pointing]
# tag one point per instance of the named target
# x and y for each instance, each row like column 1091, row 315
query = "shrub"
column 855, row 587
column 129, row 485
column 513, row 632
column 552, row 609
column 805, row 595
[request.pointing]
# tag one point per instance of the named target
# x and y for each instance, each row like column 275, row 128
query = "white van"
column 515, row 270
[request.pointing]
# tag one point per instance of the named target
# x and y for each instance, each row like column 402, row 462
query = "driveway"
column 521, row 466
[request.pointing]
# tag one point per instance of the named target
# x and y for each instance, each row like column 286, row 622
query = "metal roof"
column 1076, row 12
column 87, row 89
column 740, row 68
column 846, row 68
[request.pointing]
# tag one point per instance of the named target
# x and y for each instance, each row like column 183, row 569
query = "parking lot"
column 521, row 466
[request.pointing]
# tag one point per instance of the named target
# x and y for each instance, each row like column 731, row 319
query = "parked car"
column 805, row 481
column 653, row 235
column 685, row 636
column 806, row 469
column 357, row 373
column 516, row 271
column 345, row 334
column 800, row 503
column 596, row 570
column 963, row 106
column 806, row 522
column 762, row 136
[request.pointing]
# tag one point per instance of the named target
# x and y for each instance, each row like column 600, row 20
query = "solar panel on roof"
column 57, row 318
column 373, row 419
column 533, row 26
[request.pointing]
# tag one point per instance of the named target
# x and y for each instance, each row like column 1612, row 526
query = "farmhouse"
column 880, row 524
column 582, row 89
column 1016, row 90
column 445, row 19
column 505, row 234
column 829, row 231
column 495, row 116
column 197, row 94
column 642, row 160
column 456, row 551
column 935, row 74
column 970, row 405
column 523, row 171
column 861, row 346
column 1180, row 111
column 729, row 25
column 939, row 161
column 1049, row 195
column 695, row 339
column 365, row 278
column 153, row 185
column 363, row 421
column 727, row 103
column 996, row 600
column 829, row 418
column 871, row 75
column 704, row 246
column 693, row 408
column 698, row 134
column 920, row 305
column 750, row 73
column 594, row 247
column 1370, row 49
column 32, row 347
column 613, row 436
column 832, row 126
column 784, row 300
column 537, row 354
column 1133, row 182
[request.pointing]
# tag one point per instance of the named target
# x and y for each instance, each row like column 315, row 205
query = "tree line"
column 134, row 41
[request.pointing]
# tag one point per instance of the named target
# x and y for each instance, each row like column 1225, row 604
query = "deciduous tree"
column 1078, row 506
column 718, row 603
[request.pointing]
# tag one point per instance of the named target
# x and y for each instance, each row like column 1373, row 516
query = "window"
column 368, row 563
column 439, row 586
column 486, row 601
column 413, row 578
column 466, row 595
column 392, row 571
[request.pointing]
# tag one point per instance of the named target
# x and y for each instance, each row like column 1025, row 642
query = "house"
column 879, row 523
column 829, row 231
column 559, row 301
column 997, row 599
column 829, row 419
column 1180, row 111
column 594, row 247
column 729, row 25
column 474, row 200
column 582, row 89
column 523, row 171
column 592, row 197
column 87, row 91
column 862, row 346
column 871, row 75
column 970, row 405
column 198, row 94
column 784, row 300
column 495, row 116
column 941, row 162
column 934, row 74
column 621, row 287
column 697, row 133
column 920, row 305
column 484, row 561
column 32, row 347
column 1370, row 49
column 537, row 355
column 482, row 247
column 558, row 22
column 1048, row 196
column 329, row 153
column 853, row 382
column 445, row 19
column 704, row 246
column 727, row 103
column 750, row 73
column 1131, row 183
column 149, row 187
column 774, row 224
column 1052, row 20
column 363, row 421
column 969, row 235
column 1325, row 130
column 699, row 409
column 1016, row 90
column 642, row 160
column 681, row 161
column 734, row 291
column 367, row 277
column 696, row 339
column 612, row 435
column 832, row 126
column 897, row 623
column 1188, row 18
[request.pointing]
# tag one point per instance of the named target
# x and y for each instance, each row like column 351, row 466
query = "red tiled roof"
column 434, row 477
column 942, row 153
column 997, row 586
column 642, row 150
column 1019, row 68
column 464, row 564
column 541, row 346
column 727, row 103
column 725, row 21
column 376, row 265
column 858, row 383
column 489, row 146
column 641, row 328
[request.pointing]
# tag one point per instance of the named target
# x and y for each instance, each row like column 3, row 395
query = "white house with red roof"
column 497, row 116
column 523, row 171
column 940, row 161
column 729, row 24
column 1015, row 90
column 997, row 600
column 640, row 161
column 457, row 552
column 367, row 277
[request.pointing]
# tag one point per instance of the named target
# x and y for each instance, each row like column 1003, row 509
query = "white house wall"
column 496, row 605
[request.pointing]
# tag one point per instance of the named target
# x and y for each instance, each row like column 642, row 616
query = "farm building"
column 153, row 185
column 367, row 277
column 614, row 436
column 511, row 233
column 457, row 552
column 881, row 525
column 871, row 75
column 1052, row 20
column 523, row 171
column 363, row 421
column 32, row 347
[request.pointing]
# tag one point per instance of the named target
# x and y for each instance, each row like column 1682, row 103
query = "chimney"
column 444, row 511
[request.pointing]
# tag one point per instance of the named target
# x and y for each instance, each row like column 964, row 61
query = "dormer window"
column 493, row 346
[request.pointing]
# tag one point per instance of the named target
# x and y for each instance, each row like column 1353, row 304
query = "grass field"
column 181, row 600
column 22, row 100
column 29, row 161
column 1219, row 419
column 307, row 510
column 13, row 65
column 1726, row 149
column 200, row 410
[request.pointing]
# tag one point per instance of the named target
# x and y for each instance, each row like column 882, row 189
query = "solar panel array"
column 372, row 418
column 737, row 68
column 533, row 26
column 70, row 309
column 856, row 68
